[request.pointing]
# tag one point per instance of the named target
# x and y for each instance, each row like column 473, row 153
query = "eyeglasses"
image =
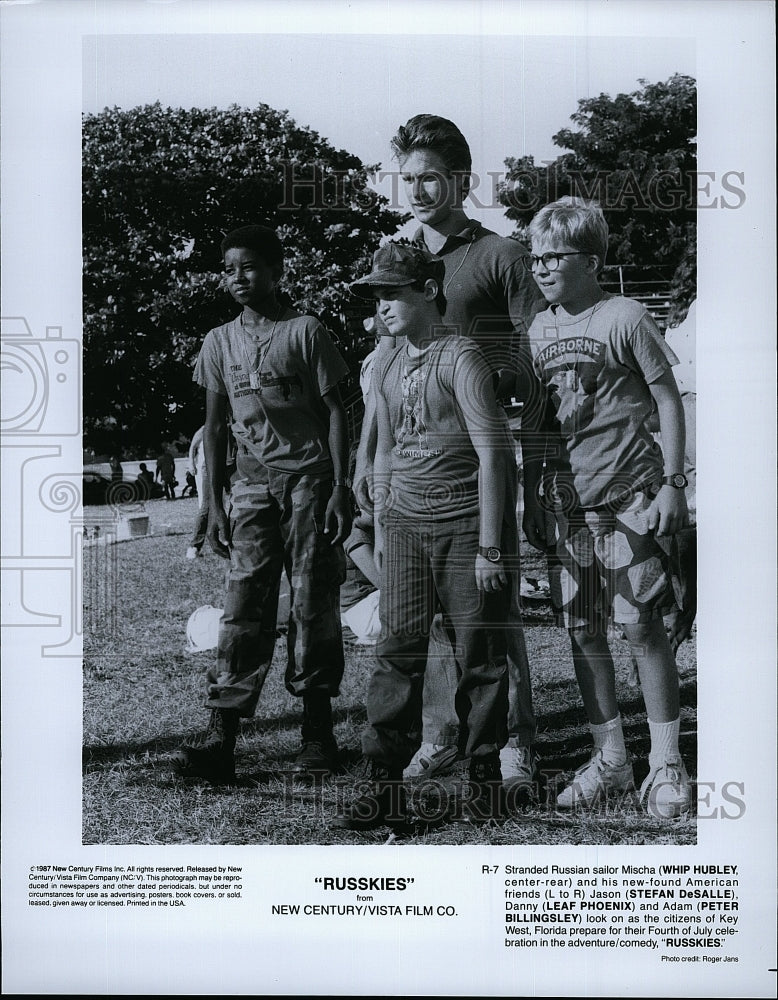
column 550, row 260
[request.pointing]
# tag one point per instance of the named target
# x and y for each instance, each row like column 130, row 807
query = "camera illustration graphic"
column 41, row 381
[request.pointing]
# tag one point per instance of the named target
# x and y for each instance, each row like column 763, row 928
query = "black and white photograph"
column 350, row 506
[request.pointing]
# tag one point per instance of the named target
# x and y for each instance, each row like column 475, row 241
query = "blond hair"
column 575, row 221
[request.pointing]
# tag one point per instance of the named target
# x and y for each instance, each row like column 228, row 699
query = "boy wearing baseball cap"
column 445, row 537
column 490, row 298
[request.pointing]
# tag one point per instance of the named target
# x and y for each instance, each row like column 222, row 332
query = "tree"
column 161, row 186
column 636, row 155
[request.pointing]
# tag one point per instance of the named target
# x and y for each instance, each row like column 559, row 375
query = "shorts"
column 608, row 563
column 362, row 618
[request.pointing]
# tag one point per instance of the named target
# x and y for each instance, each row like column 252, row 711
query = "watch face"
column 679, row 480
column 493, row 554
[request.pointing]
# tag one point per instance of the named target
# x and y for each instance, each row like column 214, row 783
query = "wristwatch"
column 492, row 553
column 677, row 480
column 341, row 482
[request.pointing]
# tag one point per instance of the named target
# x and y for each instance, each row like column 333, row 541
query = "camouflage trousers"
column 277, row 521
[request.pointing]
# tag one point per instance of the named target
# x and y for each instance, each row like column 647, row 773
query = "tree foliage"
column 161, row 186
column 636, row 155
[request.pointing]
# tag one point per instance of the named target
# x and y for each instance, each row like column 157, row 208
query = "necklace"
column 458, row 269
column 255, row 374
column 572, row 377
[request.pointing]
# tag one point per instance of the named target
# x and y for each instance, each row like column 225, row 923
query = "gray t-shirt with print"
column 435, row 402
column 283, row 422
column 596, row 369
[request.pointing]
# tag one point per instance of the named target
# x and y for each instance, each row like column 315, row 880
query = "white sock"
column 609, row 738
column 664, row 742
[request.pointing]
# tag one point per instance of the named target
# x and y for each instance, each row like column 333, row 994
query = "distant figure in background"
column 145, row 481
column 145, row 475
column 197, row 466
column 117, row 473
column 191, row 486
column 166, row 474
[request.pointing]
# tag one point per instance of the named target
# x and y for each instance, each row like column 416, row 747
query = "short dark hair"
column 437, row 134
column 262, row 240
column 440, row 298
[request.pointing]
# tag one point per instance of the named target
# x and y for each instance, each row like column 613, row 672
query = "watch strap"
column 678, row 481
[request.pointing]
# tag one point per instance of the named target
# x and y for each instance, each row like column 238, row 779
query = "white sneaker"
column 517, row 764
column 595, row 780
column 192, row 552
column 666, row 793
column 431, row 759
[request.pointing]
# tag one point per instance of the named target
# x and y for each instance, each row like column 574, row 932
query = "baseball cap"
column 399, row 264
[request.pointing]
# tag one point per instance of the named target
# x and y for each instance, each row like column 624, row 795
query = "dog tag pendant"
column 254, row 380
column 571, row 380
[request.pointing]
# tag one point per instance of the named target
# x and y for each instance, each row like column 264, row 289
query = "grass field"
column 143, row 694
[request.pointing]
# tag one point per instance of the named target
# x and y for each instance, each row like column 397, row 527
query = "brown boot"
column 212, row 755
column 380, row 801
column 318, row 754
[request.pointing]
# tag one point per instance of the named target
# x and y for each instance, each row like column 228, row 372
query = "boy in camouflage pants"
column 276, row 372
